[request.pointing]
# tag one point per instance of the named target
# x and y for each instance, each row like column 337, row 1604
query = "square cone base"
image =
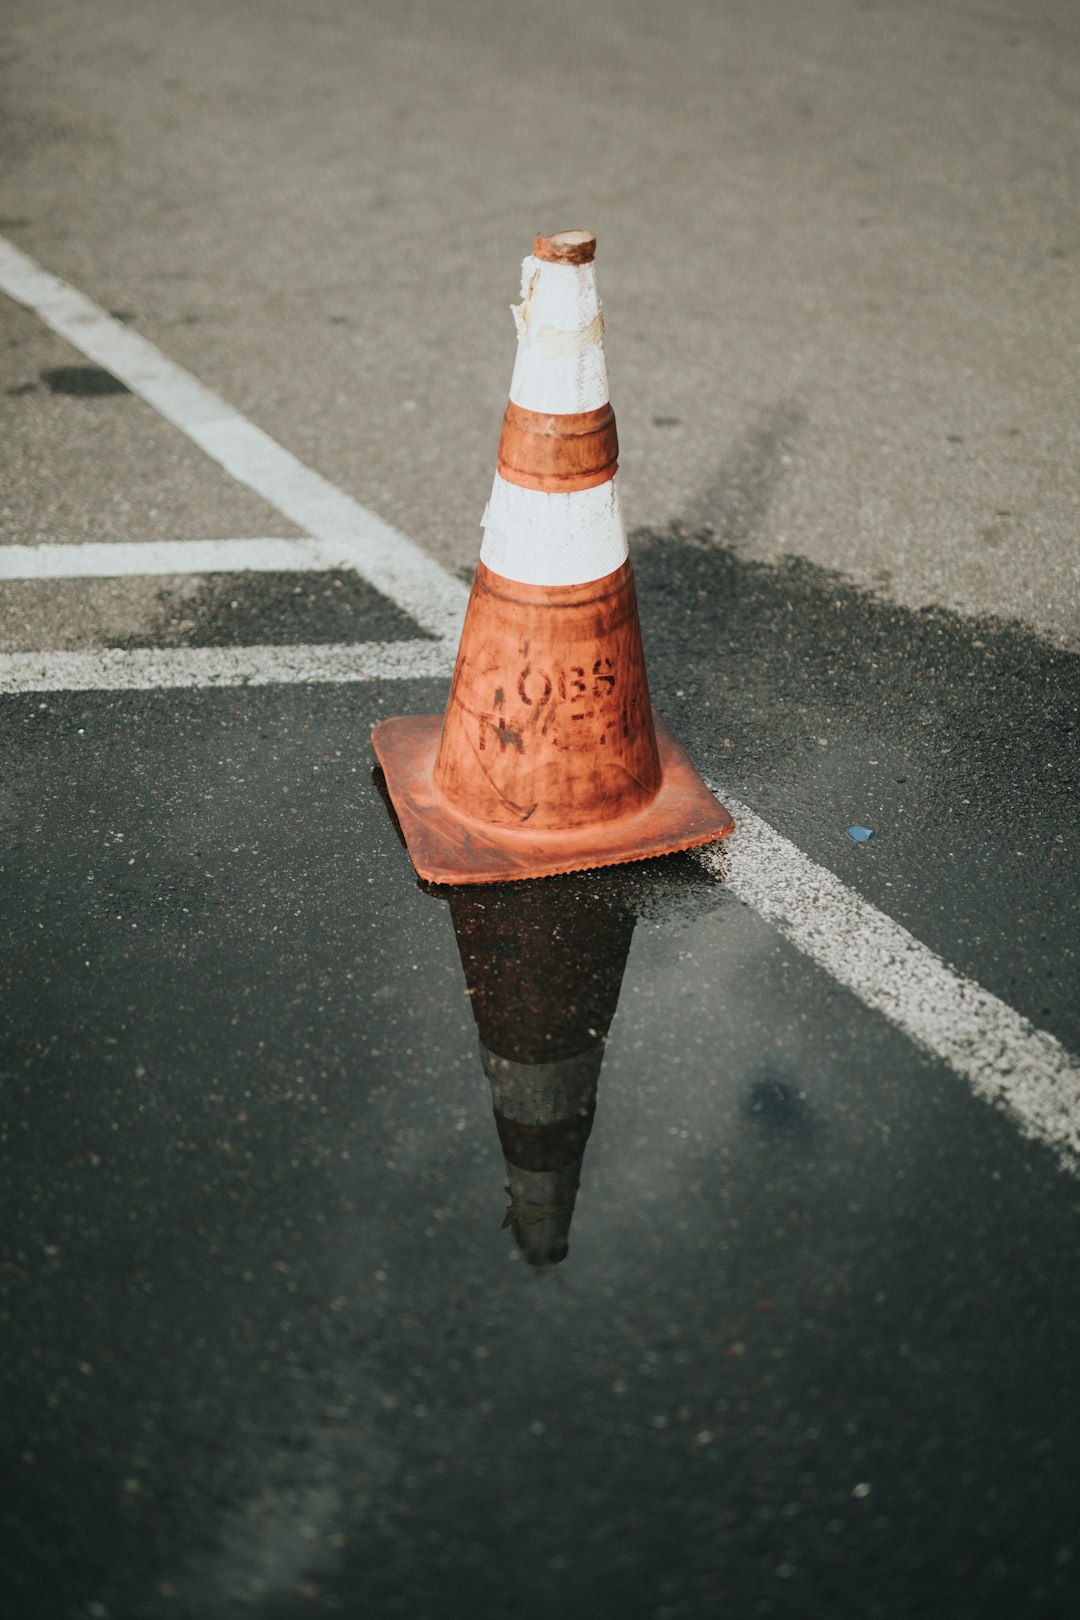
column 446, row 847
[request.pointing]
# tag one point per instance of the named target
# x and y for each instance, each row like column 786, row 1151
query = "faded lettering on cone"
column 533, row 690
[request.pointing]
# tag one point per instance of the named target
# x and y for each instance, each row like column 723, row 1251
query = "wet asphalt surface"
column 279, row 1341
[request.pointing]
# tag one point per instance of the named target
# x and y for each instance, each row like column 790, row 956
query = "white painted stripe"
column 392, row 563
column 138, row 669
column 559, row 366
column 1003, row 1057
column 539, row 537
column 114, row 560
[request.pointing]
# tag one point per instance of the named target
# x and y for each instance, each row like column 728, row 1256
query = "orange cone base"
column 447, row 847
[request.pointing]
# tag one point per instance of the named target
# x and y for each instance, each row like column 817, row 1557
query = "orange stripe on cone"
column 568, row 452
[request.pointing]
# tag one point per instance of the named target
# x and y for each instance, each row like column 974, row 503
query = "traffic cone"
column 543, row 974
column 549, row 757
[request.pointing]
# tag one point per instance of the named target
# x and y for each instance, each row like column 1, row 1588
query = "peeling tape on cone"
column 549, row 757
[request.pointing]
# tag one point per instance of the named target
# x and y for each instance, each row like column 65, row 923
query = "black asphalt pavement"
column 271, row 1348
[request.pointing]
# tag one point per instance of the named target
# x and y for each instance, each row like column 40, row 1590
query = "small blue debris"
column 860, row 834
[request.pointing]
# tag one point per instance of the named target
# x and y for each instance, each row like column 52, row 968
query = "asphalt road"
column 812, row 1349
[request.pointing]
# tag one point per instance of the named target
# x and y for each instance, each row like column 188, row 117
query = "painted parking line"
column 121, row 559
column 387, row 559
column 1000, row 1054
column 143, row 669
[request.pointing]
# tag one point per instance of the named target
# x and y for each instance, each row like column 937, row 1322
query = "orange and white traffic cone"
column 550, row 757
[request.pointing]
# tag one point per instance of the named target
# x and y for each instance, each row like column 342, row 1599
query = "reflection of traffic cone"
column 549, row 757
column 543, row 1115
column 544, row 976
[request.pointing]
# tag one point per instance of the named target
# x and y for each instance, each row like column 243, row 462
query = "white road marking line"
column 392, row 563
column 114, row 669
column 94, row 559
column 143, row 668
column 1001, row 1055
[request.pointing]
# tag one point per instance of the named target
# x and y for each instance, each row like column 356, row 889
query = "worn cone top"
column 566, row 247
column 549, row 757
column 559, row 435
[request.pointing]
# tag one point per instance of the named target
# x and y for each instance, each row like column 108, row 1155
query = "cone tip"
column 566, row 247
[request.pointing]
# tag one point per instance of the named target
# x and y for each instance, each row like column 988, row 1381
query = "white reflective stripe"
column 560, row 358
column 538, row 538
column 558, row 385
column 562, row 295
